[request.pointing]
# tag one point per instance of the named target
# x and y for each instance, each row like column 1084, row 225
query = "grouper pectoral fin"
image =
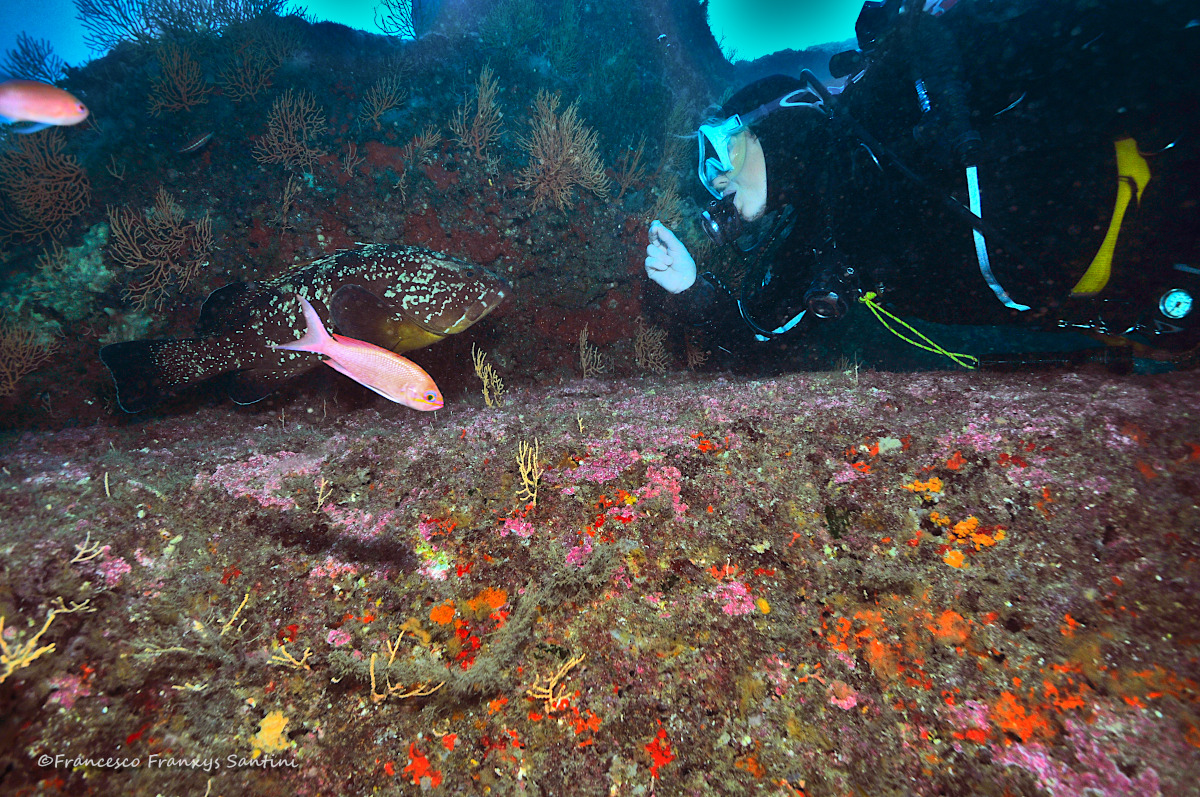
column 230, row 307
column 358, row 313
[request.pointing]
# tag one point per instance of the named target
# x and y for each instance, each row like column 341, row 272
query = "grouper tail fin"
column 149, row 371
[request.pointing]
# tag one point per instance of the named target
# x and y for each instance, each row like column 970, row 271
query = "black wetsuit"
column 1036, row 100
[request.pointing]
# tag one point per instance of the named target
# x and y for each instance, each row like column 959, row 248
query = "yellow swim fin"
column 1132, row 172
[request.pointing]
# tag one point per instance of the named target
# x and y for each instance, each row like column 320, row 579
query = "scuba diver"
column 1032, row 163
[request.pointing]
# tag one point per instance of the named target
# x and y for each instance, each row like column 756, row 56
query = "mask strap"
column 789, row 100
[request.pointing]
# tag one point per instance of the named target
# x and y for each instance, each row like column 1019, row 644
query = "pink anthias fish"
column 40, row 104
column 395, row 378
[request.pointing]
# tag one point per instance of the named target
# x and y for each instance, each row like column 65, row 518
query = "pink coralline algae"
column 846, row 474
column 1119, row 436
column 516, row 525
column 1033, row 476
column 972, row 436
column 338, row 637
column 359, row 524
column 775, row 670
column 842, row 696
column 970, row 716
column 657, row 434
column 578, row 555
column 112, row 570
column 603, row 465
column 69, row 688
column 624, row 514
column 333, row 569
column 736, row 597
column 1098, row 774
column 261, row 476
column 666, row 480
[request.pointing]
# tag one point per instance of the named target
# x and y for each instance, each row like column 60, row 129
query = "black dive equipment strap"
column 953, row 205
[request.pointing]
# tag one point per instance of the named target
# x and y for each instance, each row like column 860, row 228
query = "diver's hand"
column 668, row 261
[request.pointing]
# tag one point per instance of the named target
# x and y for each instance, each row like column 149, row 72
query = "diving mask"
column 718, row 151
column 721, row 151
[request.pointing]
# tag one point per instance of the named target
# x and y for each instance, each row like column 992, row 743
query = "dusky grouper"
column 398, row 297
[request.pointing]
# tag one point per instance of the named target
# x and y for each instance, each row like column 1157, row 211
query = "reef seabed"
column 820, row 584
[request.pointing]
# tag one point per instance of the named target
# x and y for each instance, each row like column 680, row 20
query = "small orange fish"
column 395, row 378
column 40, row 104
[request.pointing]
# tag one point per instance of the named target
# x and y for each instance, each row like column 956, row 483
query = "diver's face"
column 746, row 182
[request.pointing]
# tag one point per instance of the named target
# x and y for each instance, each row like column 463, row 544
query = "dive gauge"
column 1175, row 303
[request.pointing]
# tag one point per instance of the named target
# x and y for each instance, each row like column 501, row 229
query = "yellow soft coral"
column 969, row 531
column 934, row 485
column 270, row 736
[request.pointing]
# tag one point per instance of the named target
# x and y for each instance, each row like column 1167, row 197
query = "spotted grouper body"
column 399, row 298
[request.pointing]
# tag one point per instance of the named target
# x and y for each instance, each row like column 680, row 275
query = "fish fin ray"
column 31, row 128
column 360, row 314
column 255, row 384
column 230, row 307
column 316, row 337
column 146, row 372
